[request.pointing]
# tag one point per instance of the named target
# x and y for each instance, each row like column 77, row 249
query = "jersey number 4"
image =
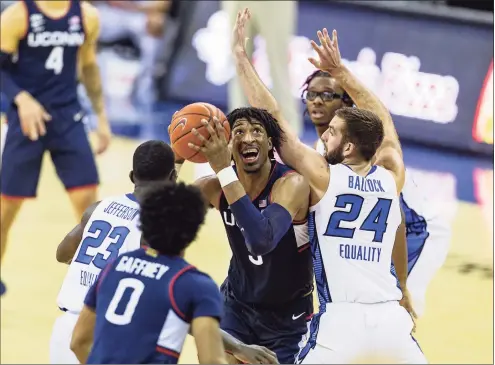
column 55, row 60
column 102, row 230
column 376, row 221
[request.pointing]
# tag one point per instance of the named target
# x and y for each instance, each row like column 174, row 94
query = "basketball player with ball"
column 268, row 290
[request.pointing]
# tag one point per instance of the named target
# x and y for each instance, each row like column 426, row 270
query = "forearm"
column 82, row 349
column 8, row 87
column 364, row 98
column 259, row 96
column 154, row 6
column 399, row 256
column 91, row 80
column 230, row 343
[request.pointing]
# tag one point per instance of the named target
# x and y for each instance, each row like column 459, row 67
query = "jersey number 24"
column 376, row 221
column 102, row 230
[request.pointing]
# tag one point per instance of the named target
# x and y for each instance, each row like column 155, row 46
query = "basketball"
column 188, row 118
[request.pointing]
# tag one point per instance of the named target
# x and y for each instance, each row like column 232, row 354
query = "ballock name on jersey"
column 53, row 39
column 365, row 185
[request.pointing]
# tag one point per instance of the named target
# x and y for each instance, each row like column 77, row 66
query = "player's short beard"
column 337, row 155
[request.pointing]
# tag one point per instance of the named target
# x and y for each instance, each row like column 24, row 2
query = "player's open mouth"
column 250, row 155
column 316, row 114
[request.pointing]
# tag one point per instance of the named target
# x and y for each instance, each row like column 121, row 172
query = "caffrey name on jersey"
column 53, row 39
column 121, row 211
column 365, row 184
column 141, row 267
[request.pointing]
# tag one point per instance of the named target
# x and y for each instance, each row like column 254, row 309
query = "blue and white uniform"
column 111, row 230
column 352, row 233
column 428, row 237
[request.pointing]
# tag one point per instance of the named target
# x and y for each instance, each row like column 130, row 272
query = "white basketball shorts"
column 356, row 333
column 60, row 352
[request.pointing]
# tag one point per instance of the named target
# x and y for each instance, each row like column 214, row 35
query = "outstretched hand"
column 239, row 38
column 328, row 52
column 216, row 147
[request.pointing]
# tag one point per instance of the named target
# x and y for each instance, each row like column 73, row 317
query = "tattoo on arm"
column 92, row 82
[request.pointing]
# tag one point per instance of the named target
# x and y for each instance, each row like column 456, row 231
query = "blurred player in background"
column 143, row 305
column 107, row 229
column 355, row 215
column 428, row 234
column 43, row 45
column 143, row 22
column 268, row 290
column 277, row 35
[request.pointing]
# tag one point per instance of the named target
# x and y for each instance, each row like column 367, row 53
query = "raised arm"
column 390, row 153
column 293, row 152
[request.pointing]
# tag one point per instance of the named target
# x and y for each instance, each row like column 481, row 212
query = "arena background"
column 437, row 61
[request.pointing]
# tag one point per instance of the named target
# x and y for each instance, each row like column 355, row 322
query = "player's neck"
column 53, row 8
column 254, row 183
column 320, row 129
column 359, row 167
column 140, row 188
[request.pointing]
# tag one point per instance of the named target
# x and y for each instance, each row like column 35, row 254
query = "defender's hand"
column 216, row 148
column 328, row 52
column 32, row 116
column 239, row 39
column 252, row 354
column 406, row 302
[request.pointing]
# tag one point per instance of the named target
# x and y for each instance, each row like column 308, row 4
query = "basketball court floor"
column 457, row 326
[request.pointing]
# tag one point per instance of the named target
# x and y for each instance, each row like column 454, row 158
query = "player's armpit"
column 211, row 190
column 82, row 336
column 391, row 159
column 68, row 247
column 206, row 332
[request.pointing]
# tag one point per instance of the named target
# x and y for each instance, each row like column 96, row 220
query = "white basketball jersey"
column 352, row 233
column 111, row 230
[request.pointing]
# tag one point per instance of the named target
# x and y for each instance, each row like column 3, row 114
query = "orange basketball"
column 188, row 118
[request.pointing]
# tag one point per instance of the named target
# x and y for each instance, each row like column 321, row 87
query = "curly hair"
column 363, row 128
column 153, row 160
column 171, row 215
column 266, row 119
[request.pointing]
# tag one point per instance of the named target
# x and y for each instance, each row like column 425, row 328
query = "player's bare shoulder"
column 13, row 25
column 294, row 189
column 91, row 18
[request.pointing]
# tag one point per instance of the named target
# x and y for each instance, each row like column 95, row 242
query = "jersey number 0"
column 376, row 221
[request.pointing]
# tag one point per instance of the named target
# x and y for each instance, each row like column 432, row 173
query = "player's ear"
column 131, row 176
column 173, row 175
column 270, row 143
column 349, row 148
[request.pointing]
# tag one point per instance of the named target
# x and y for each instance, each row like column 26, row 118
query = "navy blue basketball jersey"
column 46, row 62
column 144, row 304
column 279, row 277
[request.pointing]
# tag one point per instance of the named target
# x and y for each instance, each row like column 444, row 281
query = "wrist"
column 338, row 72
column 226, row 176
column 21, row 96
column 238, row 50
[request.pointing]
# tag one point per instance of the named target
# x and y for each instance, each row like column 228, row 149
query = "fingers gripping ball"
column 188, row 118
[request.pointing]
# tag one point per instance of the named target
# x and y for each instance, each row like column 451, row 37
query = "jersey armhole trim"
column 26, row 31
column 313, row 208
column 175, row 307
